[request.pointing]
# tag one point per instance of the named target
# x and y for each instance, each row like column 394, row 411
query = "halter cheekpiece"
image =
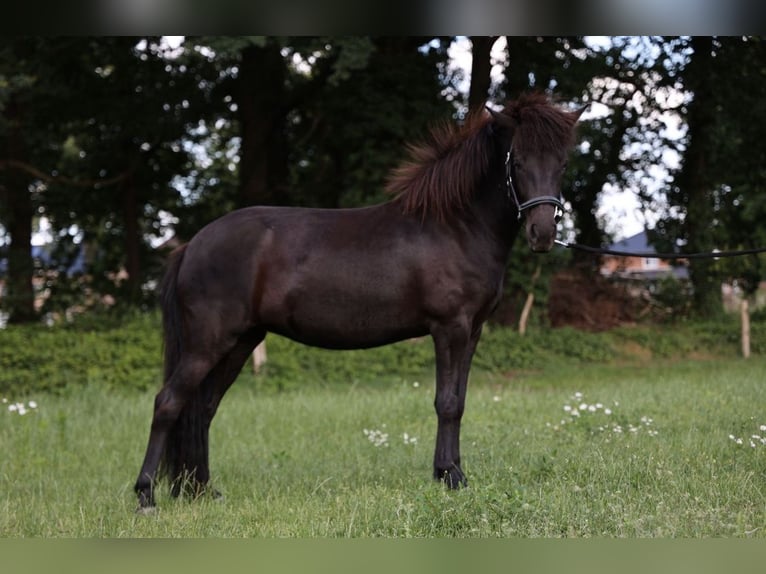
column 540, row 200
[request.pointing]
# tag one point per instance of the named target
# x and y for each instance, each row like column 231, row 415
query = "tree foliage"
column 116, row 141
column 715, row 199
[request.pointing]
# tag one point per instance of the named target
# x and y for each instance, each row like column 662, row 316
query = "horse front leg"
column 454, row 347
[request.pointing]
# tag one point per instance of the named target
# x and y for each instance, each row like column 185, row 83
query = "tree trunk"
column 132, row 240
column 15, row 193
column 20, row 295
column 481, row 68
column 695, row 181
column 261, row 101
column 516, row 74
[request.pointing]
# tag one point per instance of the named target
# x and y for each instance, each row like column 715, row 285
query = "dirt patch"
column 585, row 300
column 635, row 351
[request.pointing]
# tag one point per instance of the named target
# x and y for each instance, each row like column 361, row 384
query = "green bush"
column 115, row 351
column 124, row 351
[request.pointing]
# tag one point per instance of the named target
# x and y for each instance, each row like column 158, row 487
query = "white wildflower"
column 376, row 437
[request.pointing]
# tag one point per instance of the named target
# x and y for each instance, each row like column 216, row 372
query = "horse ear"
column 579, row 111
column 501, row 119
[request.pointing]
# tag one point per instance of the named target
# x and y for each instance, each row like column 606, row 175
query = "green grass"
column 298, row 463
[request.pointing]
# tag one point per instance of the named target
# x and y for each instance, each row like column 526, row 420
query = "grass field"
column 651, row 454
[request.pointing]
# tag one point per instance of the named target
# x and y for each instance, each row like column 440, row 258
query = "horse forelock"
column 540, row 125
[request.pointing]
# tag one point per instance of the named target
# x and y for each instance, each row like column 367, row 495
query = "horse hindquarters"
column 204, row 353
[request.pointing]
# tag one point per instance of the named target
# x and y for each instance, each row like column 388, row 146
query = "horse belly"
column 347, row 315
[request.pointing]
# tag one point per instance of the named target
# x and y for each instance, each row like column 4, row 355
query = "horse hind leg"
column 187, row 452
column 169, row 403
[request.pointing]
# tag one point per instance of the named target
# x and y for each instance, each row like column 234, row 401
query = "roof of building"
column 638, row 242
column 43, row 254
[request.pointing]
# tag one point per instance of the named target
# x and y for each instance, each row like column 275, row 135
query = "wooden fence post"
column 529, row 302
column 745, row 314
column 259, row 356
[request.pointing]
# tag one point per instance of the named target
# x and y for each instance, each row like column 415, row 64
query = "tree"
column 695, row 182
column 739, row 205
column 139, row 107
column 33, row 85
column 102, row 119
column 716, row 200
column 349, row 137
column 319, row 121
column 481, row 68
column 742, row 199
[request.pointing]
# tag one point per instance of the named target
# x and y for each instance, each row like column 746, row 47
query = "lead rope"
column 618, row 253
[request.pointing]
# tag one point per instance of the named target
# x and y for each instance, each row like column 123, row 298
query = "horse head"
column 537, row 139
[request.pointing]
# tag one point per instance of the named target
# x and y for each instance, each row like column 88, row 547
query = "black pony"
column 429, row 262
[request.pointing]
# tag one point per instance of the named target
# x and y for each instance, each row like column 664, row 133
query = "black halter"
column 520, row 207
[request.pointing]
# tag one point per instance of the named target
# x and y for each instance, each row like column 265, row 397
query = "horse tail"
column 185, row 449
column 171, row 313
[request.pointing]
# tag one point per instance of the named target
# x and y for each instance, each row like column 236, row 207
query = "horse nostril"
column 533, row 232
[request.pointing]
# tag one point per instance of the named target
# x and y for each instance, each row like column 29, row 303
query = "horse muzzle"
column 540, row 237
column 541, row 227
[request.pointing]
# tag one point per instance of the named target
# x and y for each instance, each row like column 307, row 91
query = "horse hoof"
column 217, row 495
column 453, row 478
column 146, row 510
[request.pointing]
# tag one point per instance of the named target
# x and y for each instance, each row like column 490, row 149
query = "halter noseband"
column 540, row 200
